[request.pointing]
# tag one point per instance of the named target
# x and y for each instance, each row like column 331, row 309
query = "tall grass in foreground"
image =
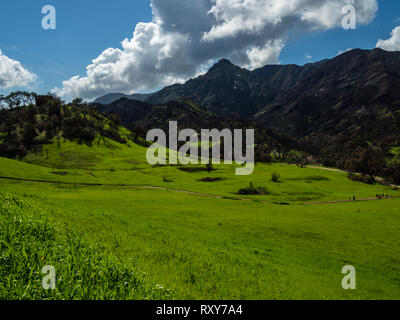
column 28, row 242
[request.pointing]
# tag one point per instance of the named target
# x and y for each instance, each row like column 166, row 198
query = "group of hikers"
column 382, row 196
column 378, row 197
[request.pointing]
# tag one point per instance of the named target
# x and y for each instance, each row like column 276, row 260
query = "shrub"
column 251, row 190
column 210, row 179
column 275, row 176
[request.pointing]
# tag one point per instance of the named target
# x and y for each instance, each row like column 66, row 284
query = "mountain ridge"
column 226, row 89
column 112, row 97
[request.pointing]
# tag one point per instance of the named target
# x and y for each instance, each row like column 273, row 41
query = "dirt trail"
column 379, row 179
column 180, row 191
column 345, row 201
column 125, row 186
column 327, row 169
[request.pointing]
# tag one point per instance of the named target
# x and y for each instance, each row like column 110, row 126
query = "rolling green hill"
column 202, row 240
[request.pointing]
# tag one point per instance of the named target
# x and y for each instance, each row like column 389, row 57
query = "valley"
column 78, row 194
column 203, row 240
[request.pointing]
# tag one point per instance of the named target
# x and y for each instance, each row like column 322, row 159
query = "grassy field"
column 200, row 240
column 29, row 241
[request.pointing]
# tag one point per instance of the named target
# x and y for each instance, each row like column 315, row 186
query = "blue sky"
column 85, row 28
column 327, row 44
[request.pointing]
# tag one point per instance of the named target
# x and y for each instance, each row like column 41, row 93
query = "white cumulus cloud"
column 391, row 44
column 13, row 74
column 185, row 35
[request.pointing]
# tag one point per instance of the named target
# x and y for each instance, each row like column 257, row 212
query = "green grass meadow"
column 115, row 227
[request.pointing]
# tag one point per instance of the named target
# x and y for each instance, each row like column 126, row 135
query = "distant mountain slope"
column 353, row 97
column 187, row 113
column 112, row 97
column 343, row 92
column 233, row 92
column 128, row 110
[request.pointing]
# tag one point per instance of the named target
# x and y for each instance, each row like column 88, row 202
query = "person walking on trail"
column 354, row 198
